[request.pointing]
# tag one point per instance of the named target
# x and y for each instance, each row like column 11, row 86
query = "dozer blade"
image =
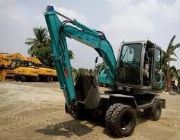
column 87, row 92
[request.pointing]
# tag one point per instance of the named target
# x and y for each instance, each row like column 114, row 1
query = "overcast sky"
column 120, row 20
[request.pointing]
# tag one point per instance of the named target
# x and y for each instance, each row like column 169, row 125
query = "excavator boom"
column 59, row 30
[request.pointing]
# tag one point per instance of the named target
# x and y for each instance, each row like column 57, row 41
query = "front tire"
column 109, row 114
column 123, row 120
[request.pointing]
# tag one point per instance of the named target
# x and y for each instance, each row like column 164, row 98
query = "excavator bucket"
column 87, row 91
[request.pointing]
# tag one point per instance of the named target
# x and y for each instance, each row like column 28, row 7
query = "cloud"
column 121, row 20
column 18, row 20
column 137, row 20
column 13, row 25
column 81, row 51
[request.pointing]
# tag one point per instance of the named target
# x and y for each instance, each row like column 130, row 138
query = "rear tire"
column 123, row 120
column 154, row 112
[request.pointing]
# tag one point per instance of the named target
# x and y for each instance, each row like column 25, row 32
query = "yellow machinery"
column 13, row 67
column 44, row 73
column 3, row 60
column 3, row 65
column 21, row 68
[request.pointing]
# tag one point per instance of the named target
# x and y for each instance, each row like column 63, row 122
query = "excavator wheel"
column 108, row 116
column 154, row 112
column 123, row 120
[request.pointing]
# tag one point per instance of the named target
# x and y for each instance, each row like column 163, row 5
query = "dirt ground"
column 35, row 111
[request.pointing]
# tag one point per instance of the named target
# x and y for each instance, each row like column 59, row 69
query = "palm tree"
column 41, row 40
column 173, row 72
column 169, row 56
column 40, row 46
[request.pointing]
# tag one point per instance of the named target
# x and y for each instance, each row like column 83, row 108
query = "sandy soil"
column 35, row 111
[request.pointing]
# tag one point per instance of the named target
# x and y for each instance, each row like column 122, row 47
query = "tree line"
column 39, row 46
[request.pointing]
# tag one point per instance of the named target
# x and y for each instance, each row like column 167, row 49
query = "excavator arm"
column 59, row 30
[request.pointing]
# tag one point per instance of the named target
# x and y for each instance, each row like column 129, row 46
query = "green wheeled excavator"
column 136, row 76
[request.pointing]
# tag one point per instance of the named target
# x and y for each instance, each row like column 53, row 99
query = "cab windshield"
column 129, row 63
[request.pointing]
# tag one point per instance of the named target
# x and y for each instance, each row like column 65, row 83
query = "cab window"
column 157, row 59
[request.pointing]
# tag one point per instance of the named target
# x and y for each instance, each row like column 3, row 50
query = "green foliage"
column 169, row 56
column 82, row 72
column 173, row 72
column 40, row 46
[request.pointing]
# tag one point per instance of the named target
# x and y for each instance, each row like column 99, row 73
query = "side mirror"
column 96, row 60
column 151, row 52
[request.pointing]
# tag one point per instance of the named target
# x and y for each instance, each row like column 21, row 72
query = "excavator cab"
column 139, row 66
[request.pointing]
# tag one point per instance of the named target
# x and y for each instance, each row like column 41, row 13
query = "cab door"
column 157, row 74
